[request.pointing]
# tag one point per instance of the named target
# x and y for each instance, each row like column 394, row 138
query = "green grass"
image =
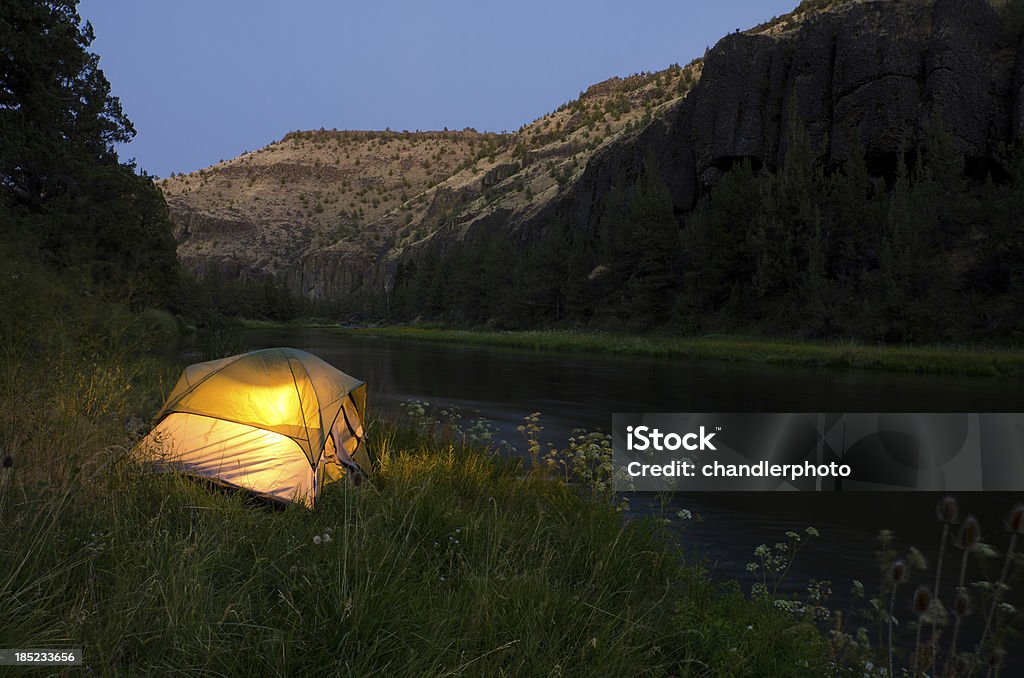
column 451, row 562
column 258, row 324
column 949, row 360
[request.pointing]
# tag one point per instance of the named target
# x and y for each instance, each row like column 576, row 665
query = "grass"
column 451, row 562
column 307, row 323
column 947, row 360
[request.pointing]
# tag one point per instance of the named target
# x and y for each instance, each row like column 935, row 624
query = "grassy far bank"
column 951, row 360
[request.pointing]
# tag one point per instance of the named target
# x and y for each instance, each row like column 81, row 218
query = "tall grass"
column 451, row 561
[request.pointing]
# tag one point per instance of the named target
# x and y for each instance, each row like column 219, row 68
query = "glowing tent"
column 279, row 422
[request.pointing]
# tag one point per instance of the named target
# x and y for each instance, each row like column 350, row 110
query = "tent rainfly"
column 279, row 422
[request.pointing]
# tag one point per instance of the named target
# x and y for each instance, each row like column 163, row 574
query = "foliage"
column 530, row 430
column 447, row 425
column 915, row 247
column 586, row 463
column 933, row 612
column 772, row 564
column 63, row 192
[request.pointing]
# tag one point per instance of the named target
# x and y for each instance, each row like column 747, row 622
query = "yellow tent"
column 279, row 422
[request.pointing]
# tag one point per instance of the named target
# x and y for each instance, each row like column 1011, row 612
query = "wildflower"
column 316, row 540
column 326, row 538
column 922, row 599
column 898, row 571
column 947, row 510
column 970, row 533
column 811, row 532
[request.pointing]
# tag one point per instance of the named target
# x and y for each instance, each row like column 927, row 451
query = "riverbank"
column 450, row 562
column 942, row 360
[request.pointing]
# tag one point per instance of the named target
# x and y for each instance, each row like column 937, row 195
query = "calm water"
column 572, row 390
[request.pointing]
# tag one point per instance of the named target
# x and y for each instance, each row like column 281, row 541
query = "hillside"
column 912, row 103
column 331, row 211
column 322, row 208
column 260, row 212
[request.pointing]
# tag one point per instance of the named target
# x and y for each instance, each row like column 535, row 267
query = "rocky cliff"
column 873, row 72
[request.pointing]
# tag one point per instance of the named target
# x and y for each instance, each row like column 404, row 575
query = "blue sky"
column 206, row 80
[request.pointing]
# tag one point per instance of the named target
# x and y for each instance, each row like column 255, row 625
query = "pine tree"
column 817, row 295
column 855, row 220
column 655, row 277
column 580, row 292
column 62, row 187
column 716, row 244
column 790, row 218
column 57, row 116
column 542, row 280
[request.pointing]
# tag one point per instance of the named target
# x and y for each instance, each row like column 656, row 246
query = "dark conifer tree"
column 62, row 187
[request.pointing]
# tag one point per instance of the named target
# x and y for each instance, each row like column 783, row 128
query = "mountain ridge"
column 336, row 198
column 870, row 72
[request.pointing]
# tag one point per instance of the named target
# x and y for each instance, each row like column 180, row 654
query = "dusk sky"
column 205, row 81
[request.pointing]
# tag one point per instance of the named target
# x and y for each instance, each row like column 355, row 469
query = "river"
column 582, row 391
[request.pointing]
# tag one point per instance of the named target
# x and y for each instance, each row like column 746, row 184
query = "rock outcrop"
column 873, row 72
